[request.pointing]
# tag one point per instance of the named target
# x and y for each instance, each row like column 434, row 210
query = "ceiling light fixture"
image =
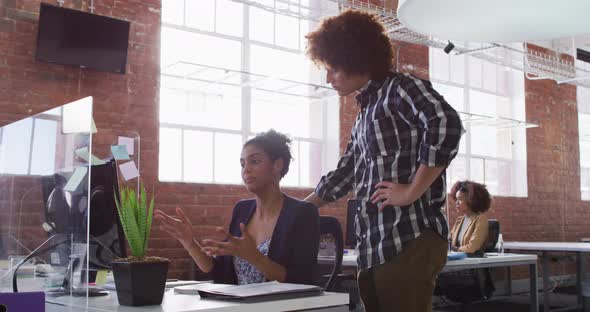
column 496, row 21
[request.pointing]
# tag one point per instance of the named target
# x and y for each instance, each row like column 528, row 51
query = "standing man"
column 404, row 137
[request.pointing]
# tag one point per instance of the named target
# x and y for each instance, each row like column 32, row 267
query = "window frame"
column 245, row 130
column 468, row 155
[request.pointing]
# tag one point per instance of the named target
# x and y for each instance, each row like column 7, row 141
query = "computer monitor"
column 351, row 210
column 67, row 213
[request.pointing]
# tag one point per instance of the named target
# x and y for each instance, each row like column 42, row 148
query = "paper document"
column 260, row 290
column 184, row 283
column 127, row 142
column 75, row 179
column 119, row 152
column 194, row 289
column 129, row 170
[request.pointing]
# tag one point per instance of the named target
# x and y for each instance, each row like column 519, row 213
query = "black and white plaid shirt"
column 402, row 123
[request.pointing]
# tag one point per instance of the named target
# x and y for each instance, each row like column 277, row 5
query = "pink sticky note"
column 129, row 170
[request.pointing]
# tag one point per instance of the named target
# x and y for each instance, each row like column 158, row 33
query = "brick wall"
column 553, row 210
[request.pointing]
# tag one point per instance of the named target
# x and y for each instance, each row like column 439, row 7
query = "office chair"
column 331, row 226
column 351, row 209
column 493, row 235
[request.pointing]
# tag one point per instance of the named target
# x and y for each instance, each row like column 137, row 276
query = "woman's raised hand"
column 243, row 247
column 180, row 227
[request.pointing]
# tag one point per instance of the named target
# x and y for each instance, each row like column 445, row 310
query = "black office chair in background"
column 331, row 227
column 493, row 235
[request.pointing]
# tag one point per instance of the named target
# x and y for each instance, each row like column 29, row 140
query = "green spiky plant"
column 136, row 218
column 140, row 280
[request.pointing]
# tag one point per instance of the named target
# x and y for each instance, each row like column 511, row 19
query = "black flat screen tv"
column 71, row 37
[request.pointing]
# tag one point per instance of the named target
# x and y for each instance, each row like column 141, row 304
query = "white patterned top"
column 248, row 273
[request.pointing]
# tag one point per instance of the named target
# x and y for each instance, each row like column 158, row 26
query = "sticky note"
column 101, row 277
column 119, row 152
column 77, row 116
column 129, row 170
column 83, row 153
column 75, row 179
column 127, row 142
column 55, row 258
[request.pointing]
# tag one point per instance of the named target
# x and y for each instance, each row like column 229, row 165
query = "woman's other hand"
column 243, row 247
column 180, row 227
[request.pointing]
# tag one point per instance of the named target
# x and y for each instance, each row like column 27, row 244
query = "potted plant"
column 140, row 280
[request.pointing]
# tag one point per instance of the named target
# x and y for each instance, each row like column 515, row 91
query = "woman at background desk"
column 469, row 235
column 271, row 237
column 470, row 231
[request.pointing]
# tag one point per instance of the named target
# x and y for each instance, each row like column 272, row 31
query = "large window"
column 28, row 145
column 584, row 133
column 493, row 151
column 229, row 71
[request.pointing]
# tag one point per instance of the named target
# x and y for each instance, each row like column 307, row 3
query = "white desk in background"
column 545, row 248
column 327, row 302
column 504, row 260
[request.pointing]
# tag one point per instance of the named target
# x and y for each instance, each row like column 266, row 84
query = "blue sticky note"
column 119, row 152
column 84, row 154
column 76, row 179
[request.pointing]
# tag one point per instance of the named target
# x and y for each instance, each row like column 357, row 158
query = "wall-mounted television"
column 72, row 37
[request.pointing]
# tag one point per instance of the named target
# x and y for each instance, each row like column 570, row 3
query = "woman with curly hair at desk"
column 470, row 231
column 469, row 235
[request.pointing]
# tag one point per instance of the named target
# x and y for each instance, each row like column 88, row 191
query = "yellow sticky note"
column 101, row 277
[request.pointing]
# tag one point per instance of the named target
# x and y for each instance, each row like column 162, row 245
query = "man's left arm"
column 442, row 130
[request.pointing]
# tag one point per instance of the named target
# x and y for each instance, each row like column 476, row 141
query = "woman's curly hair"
column 354, row 42
column 477, row 196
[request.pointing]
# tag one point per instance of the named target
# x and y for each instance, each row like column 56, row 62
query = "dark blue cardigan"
column 294, row 243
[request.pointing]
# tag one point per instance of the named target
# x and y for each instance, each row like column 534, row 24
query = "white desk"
column 549, row 246
column 545, row 248
column 328, row 302
column 349, row 260
column 505, row 260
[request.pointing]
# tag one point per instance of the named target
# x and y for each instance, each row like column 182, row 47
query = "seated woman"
column 469, row 235
column 272, row 237
column 470, row 231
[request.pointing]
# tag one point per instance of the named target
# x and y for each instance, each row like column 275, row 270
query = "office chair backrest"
column 330, row 225
column 350, row 216
column 493, row 234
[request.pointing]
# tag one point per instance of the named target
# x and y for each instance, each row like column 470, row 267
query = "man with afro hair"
column 403, row 138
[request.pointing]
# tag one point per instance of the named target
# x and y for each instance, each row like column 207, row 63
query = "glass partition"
column 47, row 180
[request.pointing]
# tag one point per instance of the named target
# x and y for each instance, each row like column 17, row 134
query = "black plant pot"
column 140, row 283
